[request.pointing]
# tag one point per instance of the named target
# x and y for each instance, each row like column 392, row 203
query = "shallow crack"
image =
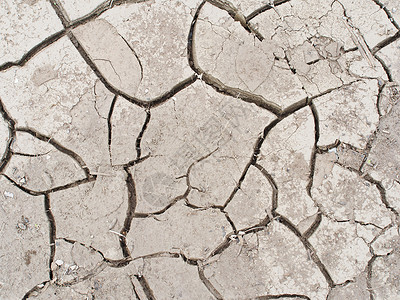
column 58, row 146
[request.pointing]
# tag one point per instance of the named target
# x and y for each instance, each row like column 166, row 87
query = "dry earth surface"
column 188, row 149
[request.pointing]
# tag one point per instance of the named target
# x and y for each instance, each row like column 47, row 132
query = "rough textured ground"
column 180, row 149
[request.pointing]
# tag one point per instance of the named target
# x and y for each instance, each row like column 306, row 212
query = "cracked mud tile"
column 385, row 276
column 74, row 263
column 344, row 254
column 253, row 66
column 42, row 93
column 89, row 115
column 76, row 9
column 94, row 213
column 248, row 207
column 202, row 124
column 344, row 195
column 301, row 20
column 24, row 251
column 348, row 156
column 393, row 8
column 264, row 265
column 25, row 23
column 157, row 31
column 37, row 165
column 172, row 278
column 112, row 55
column 382, row 164
column 105, row 285
column 348, row 114
column 356, row 289
column 375, row 26
column 393, row 195
column 195, row 232
column 388, row 242
column 388, row 97
column 126, row 123
column 286, row 155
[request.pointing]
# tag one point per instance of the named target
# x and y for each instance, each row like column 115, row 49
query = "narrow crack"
column 36, row 289
column 109, row 125
column 208, row 283
column 58, row 146
column 314, row 152
column 91, row 178
column 145, row 286
column 369, row 276
column 382, row 191
column 52, row 233
column 308, row 246
column 264, row 8
column 140, row 136
column 5, row 159
column 282, row 296
column 388, row 13
column 130, row 213
column 386, row 42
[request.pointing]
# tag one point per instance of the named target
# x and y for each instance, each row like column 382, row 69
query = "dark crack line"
column 99, row 10
column 228, row 238
column 140, row 136
column 36, row 289
column 52, row 233
column 109, row 124
column 264, row 8
column 134, row 288
column 90, row 62
column 58, row 146
column 237, row 15
column 145, row 286
column 382, row 192
column 282, row 296
column 314, row 226
column 180, row 197
column 208, row 283
column 35, row 50
column 388, row 14
column 61, row 13
column 386, row 42
column 216, row 83
column 52, row 190
column 5, row 159
column 132, row 202
column 273, row 184
column 384, row 67
column 369, row 276
column 314, row 152
column 29, row 154
column 313, row 254
column 141, row 103
column 353, row 49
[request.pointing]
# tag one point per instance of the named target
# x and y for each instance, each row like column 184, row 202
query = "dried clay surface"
column 190, row 149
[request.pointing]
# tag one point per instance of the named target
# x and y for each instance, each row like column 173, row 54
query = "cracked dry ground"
column 199, row 150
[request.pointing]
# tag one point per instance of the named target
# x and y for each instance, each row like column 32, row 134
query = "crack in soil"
column 143, row 284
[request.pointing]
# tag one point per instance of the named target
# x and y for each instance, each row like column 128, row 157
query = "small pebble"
column 8, row 194
column 59, row 262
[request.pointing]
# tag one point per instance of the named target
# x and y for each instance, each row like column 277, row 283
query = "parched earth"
column 188, row 149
